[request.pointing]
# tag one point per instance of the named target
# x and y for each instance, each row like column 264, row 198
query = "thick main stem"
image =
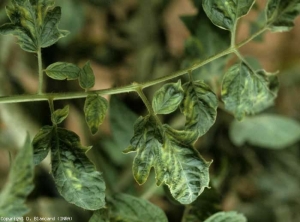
column 41, row 74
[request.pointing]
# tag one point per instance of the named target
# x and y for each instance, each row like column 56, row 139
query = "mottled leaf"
column 101, row 215
column 62, row 71
column 176, row 163
column 199, row 107
column 19, row 184
column 268, row 131
column 281, row 14
column 247, row 92
column 60, row 115
column 42, row 144
column 34, row 23
column 168, row 98
column 225, row 13
column 86, row 77
column 229, row 216
column 95, row 108
column 75, row 176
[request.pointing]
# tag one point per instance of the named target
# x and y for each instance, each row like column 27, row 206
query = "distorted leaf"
column 176, row 163
column 226, row 13
column 34, row 23
column 62, row 71
column 60, row 115
column 75, row 176
column 247, row 92
column 86, row 77
column 168, row 98
column 101, row 215
column 229, row 216
column 268, row 131
column 95, row 108
column 19, row 184
column 42, row 144
column 281, row 14
column 199, row 107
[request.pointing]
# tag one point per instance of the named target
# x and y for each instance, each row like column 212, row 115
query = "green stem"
column 51, row 106
column 41, row 74
column 128, row 88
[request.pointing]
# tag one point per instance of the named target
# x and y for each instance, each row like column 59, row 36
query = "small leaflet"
column 230, row 216
column 62, row 71
column 95, row 108
column 42, row 144
column 167, row 99
column 60, row 115
column 86, row 77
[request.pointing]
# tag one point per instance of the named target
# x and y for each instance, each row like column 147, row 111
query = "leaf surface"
column 62, row 71
column 268, row 131
column 225, row 13
column 101, row 215
column 34, row 23
column 60, row 115
column 86, row 77
column 75, row 176
column 176, row 164
column 95, row 108
column 229, row 216
column 168, row 98
column 281, row 14
column 247, row 92
column 19, row 184
column 42, row 144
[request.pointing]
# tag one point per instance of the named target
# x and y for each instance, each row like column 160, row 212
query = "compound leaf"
column 95, row 108
column 34, row 23
column 199, row 107
column 75, row 176
column 168, row 98
column 268, row 131
column 247, row 92
column 42, row 144
column 225, row 13
column 281, row 14
column 62, row 71
column 19, row 184
column 86, row 77
column 60, row 115
column 230, row 216
column 176, row 163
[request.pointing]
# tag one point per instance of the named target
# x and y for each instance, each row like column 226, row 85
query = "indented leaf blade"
column 95, row 108
column 230, row 216
column 127, row 208
column 247, row 92
column 19, row 185
column 281, row 14
column 42, row 144
column 168, row 98
column 267, row 131
column 226, row 13
column 62, row 71
column 199, row 107
column 86, row 77
column 75, row 176
column 60, row 115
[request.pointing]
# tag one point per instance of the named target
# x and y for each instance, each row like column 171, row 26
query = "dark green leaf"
column 19, row 184
column 95, row 108
column 176, row 163
column 268, row 131
column 101, row 215
column 127, row 208
column 42, row 144
column 168, row 98
column 229, row 216
column 281, row 14
column 226, row 13
column 199, row 107
column 75, row 176
column 34, row 23
column 60, row 115
column 247, row 92
column 62, row 71
column 86, row 77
